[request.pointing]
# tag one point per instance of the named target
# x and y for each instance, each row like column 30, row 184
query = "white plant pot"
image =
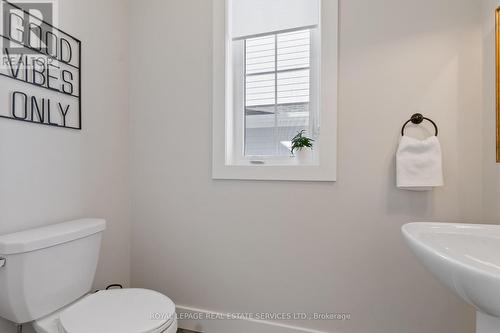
column 303, row 155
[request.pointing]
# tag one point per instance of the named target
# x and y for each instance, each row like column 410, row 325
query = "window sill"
column 315, row 173
column 260, row 161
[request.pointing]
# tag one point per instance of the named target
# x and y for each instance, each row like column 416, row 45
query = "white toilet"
column 46, row 275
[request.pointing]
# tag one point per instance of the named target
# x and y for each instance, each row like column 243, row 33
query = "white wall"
column 491, row 170
column 49, row 175
column 235, row 246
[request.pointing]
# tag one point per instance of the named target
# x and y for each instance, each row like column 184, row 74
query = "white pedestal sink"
column 466, row 257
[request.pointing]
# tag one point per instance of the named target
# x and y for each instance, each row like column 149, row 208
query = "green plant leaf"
column 300, row 141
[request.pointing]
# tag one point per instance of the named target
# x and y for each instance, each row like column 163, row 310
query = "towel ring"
column 416, row 119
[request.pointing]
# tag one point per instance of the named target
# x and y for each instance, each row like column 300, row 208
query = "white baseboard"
column 202, row 322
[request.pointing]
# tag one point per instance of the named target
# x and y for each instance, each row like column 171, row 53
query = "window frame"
column 225, row 164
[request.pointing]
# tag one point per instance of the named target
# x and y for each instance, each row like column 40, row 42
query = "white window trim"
column 222, row 120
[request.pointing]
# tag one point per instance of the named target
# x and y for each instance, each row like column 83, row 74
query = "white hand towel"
column 419, row 164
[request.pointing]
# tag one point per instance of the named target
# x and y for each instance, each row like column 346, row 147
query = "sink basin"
column 465, row 257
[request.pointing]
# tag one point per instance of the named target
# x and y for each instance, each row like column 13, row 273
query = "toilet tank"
column 46, row 268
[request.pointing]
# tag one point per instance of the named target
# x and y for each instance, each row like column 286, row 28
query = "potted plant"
column 302, row 146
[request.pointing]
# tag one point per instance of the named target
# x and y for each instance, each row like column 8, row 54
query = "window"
column 277, row 91
column 268, row 79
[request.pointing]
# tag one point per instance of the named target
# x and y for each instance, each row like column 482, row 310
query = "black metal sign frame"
column 77, row 67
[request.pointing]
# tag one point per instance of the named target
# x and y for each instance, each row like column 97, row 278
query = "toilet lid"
column 119, row 311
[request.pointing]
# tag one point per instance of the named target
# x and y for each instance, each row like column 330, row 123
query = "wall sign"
column 40, row 70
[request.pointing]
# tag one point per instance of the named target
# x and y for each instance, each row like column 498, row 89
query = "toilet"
column 46, row 276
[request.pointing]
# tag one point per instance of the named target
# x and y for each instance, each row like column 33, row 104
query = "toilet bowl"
column 113, row 311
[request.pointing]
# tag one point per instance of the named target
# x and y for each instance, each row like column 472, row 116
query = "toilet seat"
column 119, row 311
